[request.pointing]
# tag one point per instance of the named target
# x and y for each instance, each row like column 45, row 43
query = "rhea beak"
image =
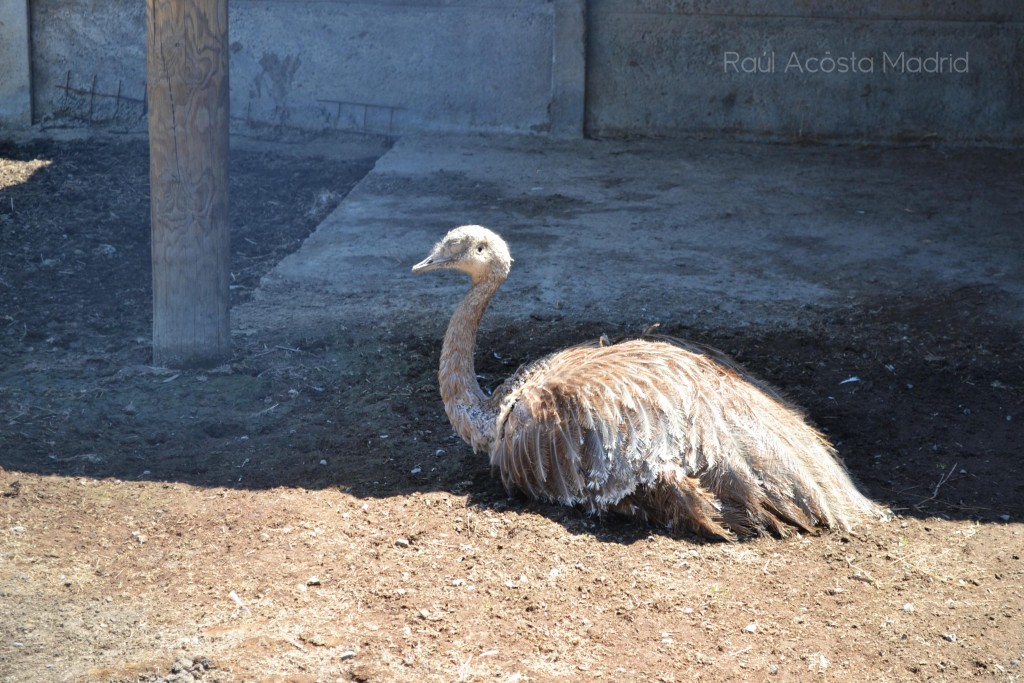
column 432, row 262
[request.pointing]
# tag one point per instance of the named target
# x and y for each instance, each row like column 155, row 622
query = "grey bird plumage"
column 657, row 428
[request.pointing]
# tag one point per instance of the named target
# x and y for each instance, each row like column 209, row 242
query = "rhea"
column 657, row 428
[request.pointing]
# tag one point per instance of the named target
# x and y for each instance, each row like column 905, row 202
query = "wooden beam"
column 187, row 95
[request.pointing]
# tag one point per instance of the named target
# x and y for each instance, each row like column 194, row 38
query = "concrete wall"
column 762, row 69
column 379, row 67
column 355, row 66
column 15, row 92
column 89, row 62
column 624, row 67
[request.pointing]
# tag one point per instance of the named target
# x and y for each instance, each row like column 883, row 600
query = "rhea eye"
column 480, row 249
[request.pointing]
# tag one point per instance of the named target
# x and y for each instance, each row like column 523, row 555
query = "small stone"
column 181, row 664
column 347, row 654
column 1005, row 518
column 323, row 462
column 416, row 470
column 313, row 581
column 773, row 669
column 951, row 637
column 402, row 542
column 908, row 607
column 751, row 627
column 818, row 662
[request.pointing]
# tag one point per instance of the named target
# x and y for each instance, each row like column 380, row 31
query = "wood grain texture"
column 187, row 90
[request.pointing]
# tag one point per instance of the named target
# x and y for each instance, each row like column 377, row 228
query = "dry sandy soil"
column 303, row 513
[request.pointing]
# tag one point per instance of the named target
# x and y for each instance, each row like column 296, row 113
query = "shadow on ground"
column 921, row 391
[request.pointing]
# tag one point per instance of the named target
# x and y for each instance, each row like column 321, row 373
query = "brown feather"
column 660, row 428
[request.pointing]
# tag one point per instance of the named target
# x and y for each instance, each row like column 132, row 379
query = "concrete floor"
column 689, row 232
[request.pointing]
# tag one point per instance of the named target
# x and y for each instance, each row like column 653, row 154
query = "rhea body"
column 661, row 429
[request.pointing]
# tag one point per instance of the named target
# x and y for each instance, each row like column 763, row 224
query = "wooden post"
column 187, row 94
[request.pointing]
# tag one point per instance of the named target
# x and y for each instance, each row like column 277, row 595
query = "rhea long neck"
column 464, row 401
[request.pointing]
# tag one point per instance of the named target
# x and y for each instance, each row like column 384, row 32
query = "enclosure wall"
column 800, row 70
column 783, row 70
column 15, row 84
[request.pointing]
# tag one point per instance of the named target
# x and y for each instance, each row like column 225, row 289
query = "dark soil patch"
column 303, row 512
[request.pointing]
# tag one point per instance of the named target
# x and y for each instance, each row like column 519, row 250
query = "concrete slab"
column 684, row 232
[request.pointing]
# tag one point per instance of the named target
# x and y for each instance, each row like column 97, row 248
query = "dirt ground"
column 303, row 513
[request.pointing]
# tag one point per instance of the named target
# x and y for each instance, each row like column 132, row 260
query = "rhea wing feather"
column 620, row 422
